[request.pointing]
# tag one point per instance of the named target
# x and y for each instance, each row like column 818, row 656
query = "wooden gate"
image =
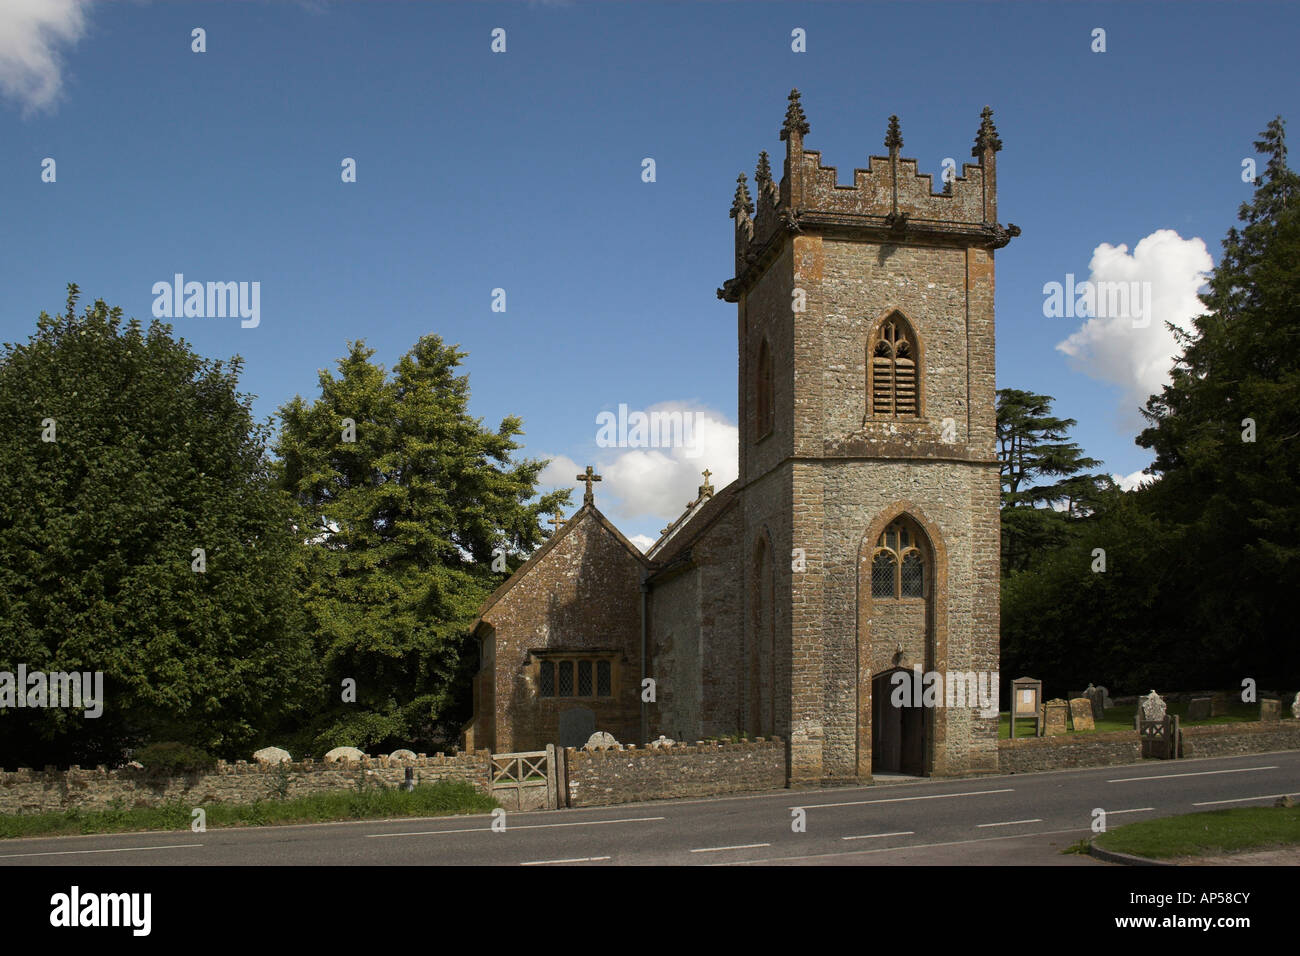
column 527, row 780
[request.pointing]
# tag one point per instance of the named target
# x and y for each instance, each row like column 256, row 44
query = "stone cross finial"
column 795, row 121
column 706, row 489
column 556, row 521
column 894, row 136
column 589, row 476
column 987, row 137
column 742, row 202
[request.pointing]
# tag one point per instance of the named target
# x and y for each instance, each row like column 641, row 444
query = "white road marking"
column 718, row 849
column 876, row 836
column 1111, row 813
column 1267, row 796
column 530, row 826
column 576, row 859
column 120, row 849
column 896, row 849
column 933, row 796
column 1009, row 823
column 1198, row 773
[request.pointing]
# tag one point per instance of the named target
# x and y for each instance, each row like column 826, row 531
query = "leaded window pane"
column 584, row 678
column 913, row 575
column 882, row 575
column 566, row 678
column 548, row 678
column 602, row 678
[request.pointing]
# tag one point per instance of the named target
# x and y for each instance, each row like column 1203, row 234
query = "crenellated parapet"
column 889, row 201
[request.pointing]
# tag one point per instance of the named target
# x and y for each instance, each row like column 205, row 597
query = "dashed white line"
column 719, row 849
column 1267, row 796
column 877, row 836
column 1111, row 813
column 120, row 849
column 1197, row 773
column 933, row 796
column 576, row 859
column 530, row 826
column 896, row 849
column 1009, row 823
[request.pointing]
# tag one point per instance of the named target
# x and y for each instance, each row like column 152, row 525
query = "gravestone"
column 1152, row 707
column 576, row 725
column 662, row 743
column 1054, row 712
column 601, row 741
column 1295, row 706
column 401, row 755
column 272, row 755
column 1081, row 714
column 1200, row 708
column 1097, row 697
column 1269, row 709
column 1218, row 704
column 342, row 754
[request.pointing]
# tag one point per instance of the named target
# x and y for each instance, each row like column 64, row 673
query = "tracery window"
column 894, row 370
column 897, row 564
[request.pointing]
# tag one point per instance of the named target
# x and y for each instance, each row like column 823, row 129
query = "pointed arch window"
column 763, row 392
column 894, row 370
column 898, row 564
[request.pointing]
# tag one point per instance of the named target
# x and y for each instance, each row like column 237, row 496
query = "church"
column 861, row 538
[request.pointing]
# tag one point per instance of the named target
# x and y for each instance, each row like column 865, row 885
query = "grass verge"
column 444, row 798
column 1207, row 834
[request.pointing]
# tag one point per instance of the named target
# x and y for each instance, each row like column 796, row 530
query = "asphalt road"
column 991, row 820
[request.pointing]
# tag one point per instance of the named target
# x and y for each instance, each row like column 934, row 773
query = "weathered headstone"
column 1097, row 701
column 1200, row 708
column 1218, row 704
column 272, row 755
column 402, row 755
column 1054, row 712
column 662, row 743
column 342, row 754
column 1081, row 714
column 1152, row 707
column 601, row 741
column 1270, row 709
column 1295, row 706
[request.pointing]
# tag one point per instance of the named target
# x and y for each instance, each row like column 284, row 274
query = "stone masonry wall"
column 603, row 777
column 40, row 791
column 1224, row 740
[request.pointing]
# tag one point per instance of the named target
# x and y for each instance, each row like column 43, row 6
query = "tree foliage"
column 155, row 454
column 402, row 524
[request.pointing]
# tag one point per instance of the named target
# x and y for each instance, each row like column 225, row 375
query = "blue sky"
column 522, row 171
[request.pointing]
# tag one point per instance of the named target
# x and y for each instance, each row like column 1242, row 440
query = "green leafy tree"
column 1226, row 434
column 405, row 500
column 1034, row 445
column 124, row 453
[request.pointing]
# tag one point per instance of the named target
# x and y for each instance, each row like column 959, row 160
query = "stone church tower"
column 868, row 486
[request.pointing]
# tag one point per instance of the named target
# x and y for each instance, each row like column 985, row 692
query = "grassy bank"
column 1207, row 834
column 444, row 798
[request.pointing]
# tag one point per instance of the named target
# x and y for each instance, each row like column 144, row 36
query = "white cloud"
column 656, row 482
column 642, row 541
column 31, row 33
column 1132, row 482
column 1138, row 360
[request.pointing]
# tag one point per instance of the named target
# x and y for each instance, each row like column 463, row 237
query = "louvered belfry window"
column 895, row 382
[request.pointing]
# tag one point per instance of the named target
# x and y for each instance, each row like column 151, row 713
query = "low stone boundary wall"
column 39, row 791
column 596, row 778
column 1025, row 754
column 1224, row 740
